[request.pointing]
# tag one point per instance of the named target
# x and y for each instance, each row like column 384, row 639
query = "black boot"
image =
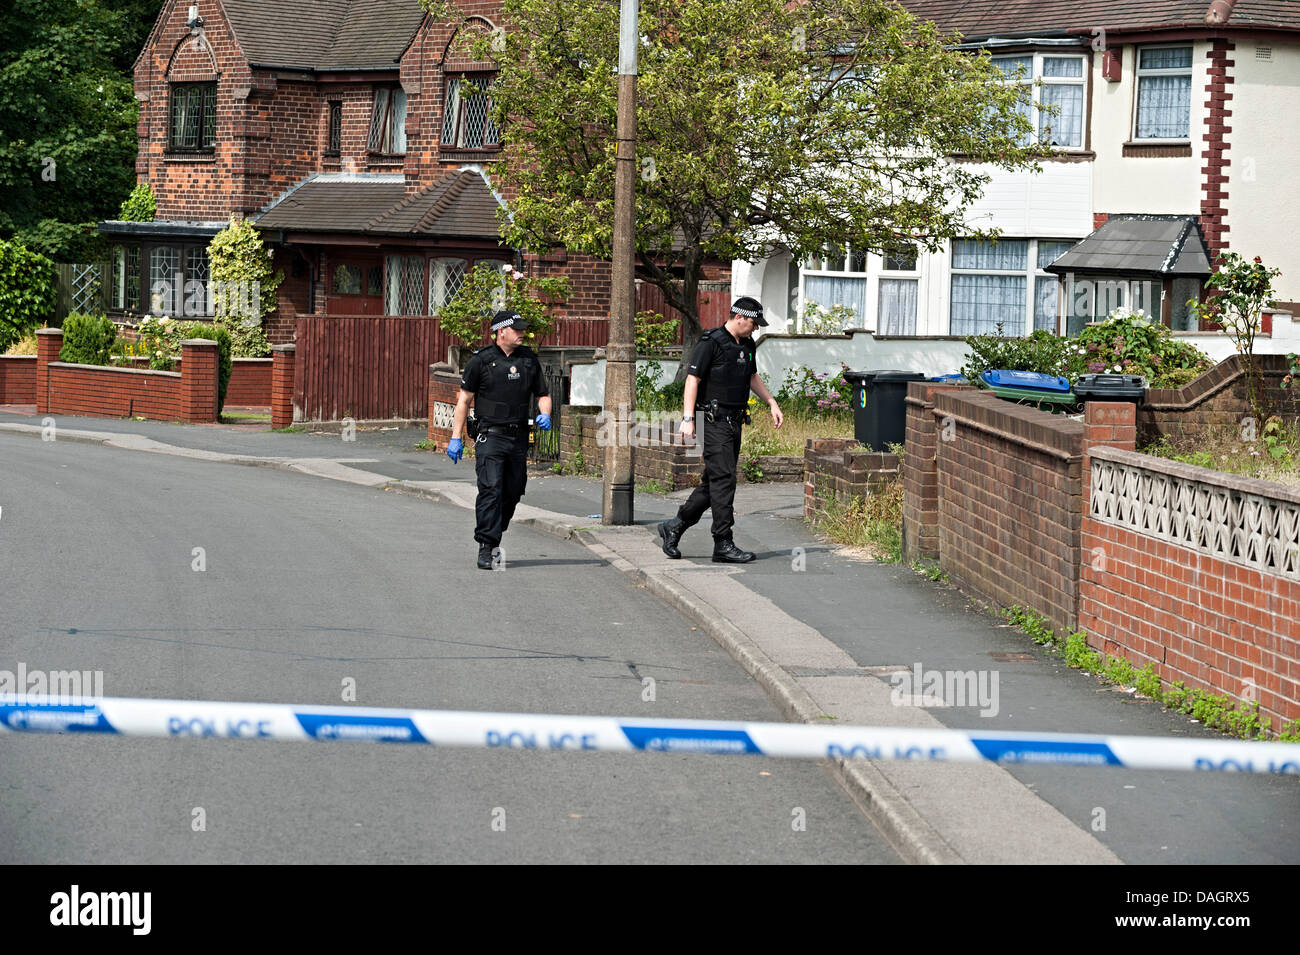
column 726, row 552
column 484, row 556
column 671, row 532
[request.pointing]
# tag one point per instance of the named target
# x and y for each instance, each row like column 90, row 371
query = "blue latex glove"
column 455, row 448
column 544, row 422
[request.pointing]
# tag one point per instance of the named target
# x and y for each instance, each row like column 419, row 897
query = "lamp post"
column 620, row 353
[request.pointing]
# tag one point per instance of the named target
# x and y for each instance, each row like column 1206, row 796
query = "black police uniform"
column 503, row 387
column 725, row 368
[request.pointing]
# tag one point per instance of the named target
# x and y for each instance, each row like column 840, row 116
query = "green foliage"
column 426, row 445
column 1147, row 681
column 1078, row 655
column 648, row 398
column 752, row 469
column 1290, row 732
column 28, row 290
column 68, row 120
column 805, row 391
column 873, row 521
column 671, row 396
column 1042, row 352
column 1136, row 346
column 240, row 260
column 1277, row 440
column 221, row 336
column 654, row 487
column 827, row 321
column 931, row 569
column 488, row 289
column 654, row 333
column 1032, row 623
column 1239, row 293
column 140, row 205
column 750, row 120
column 87, row 339
column 1126, row 343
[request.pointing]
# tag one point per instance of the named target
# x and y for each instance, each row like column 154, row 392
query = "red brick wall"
column 1011, row 499
column 1210, row 623
column 104, row 392
column 1216, row 400
column 250, row 382
column 17, row 379
column 920, row 473
column 841, row 468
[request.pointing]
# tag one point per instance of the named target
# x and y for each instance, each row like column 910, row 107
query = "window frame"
column 1032, row 272
column 394, row 126
column 207, row 121
column 1036, row 80
column 457, row 140
column 1138, row 74
column 849, row 258
column 334, row 128
column 887, row 274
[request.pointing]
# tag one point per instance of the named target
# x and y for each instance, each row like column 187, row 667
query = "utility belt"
column 481, row 431
column 714, row 412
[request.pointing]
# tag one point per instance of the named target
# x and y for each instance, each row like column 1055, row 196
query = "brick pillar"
column 1109, row 423
column 444, row 392
column 921, row 472
column 49, row 341
column 282, row 372
column 200, row 380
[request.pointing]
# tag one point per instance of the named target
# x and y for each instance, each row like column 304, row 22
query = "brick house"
column 1167, row 150
column 349, row 132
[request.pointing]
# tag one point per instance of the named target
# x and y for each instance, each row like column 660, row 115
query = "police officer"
column 501, row 380
column 721, row 374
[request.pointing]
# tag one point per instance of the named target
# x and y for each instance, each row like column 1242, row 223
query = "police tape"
column 279, row 721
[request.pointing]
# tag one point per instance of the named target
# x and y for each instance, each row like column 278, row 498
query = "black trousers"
column 717, row 488
column 501, row 465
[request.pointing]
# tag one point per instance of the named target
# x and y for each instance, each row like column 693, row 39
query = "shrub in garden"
column 488, row 289
column 87, row 339
column 1127, row 343
column 1131, row 344
column 240, row 261
column 809, row 392
column 28, row 291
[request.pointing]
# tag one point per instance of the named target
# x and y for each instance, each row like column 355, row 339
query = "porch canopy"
column 461, row 205
column 1153, row 262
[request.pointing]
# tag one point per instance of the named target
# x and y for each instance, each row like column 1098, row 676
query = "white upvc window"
column 837, row 277
column 1058, row 80
column 900, row 283
column 1162, row 109
column 1005, row 283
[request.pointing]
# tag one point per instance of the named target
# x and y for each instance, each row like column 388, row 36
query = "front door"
column 356, row 286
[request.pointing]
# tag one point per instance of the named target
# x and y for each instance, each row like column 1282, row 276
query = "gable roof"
column 324, row 34
column 460, row 205
column 978, row 19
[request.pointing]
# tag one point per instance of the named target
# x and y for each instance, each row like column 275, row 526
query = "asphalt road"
column 308, row 584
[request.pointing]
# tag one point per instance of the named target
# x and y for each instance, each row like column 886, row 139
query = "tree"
column 1239, row 291
column 244, row 281
column 762, row 124
column 67, row 120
